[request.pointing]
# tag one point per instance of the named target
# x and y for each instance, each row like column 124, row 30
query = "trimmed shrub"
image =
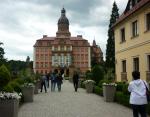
column 8, row 88
column 125, row 89
column 15, row 86
column 19, row 81
column 5, row 76
column 97, row 73
column 120, row 86
column 82, row 84
column 98, row 90
column 121, row 98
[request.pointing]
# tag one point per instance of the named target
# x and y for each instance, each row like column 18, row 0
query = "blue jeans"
column 53, row 84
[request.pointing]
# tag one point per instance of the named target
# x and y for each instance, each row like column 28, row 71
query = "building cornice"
column 132, row 47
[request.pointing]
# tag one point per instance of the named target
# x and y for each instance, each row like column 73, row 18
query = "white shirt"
column 138, row 92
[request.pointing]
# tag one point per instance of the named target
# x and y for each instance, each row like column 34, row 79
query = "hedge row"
column 121, row 97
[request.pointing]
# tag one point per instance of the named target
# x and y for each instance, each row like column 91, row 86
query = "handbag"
column 147, row 93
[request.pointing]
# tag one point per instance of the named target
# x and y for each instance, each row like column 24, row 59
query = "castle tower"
column 63, row 25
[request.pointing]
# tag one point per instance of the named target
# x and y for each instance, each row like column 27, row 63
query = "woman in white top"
column 138, row 99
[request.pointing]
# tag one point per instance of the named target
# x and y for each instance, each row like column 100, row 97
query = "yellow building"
column 132, row 41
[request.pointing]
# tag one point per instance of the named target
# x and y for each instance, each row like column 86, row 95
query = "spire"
column 63, row 12
column 94, row 42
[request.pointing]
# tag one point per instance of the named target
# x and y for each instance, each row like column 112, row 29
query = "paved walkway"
column 71, row 104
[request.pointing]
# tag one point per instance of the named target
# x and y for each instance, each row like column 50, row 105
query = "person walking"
column 138, row 99
column 75, row 80
column 47, row 79
column 59, row 81
column 43, row 83
column 53, row 77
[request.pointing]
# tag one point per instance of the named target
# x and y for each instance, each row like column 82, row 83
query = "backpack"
column 52, row 77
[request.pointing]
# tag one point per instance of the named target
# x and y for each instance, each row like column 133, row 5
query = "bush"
column 97, row 73
column 15, row 86
column 4, row 76
column 82, row 84
column 125, row 89
column 120, row 86
column 19, row 81
column 98, row 90
column 121, row 98
column 100, row 84
column 8, row 88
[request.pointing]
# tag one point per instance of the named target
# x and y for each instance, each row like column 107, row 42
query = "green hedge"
column 98, row 90
column 122, row 98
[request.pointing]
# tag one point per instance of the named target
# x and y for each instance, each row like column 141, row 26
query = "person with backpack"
column 43, row 83
column 138, row 99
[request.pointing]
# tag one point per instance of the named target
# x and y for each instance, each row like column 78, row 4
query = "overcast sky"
column 22, row 22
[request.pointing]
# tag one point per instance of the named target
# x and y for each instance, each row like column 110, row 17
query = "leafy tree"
column 5, row 76
column 110, row 47
column 2, row 59
column 97, row 73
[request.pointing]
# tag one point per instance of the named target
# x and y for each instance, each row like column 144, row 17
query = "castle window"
column 134, row 28
column 148, row 21
column 122, row 33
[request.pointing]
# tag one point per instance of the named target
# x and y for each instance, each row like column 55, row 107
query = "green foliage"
column 97, row 73
column 2, row 59
column 82, row 84
column 16, row 86
column 98, row 90
column 8, row 88
column 122, row 98
column 109, row 74
column 16, row 66
column 120, row 86
column 125, row 89
column 88, row 74
column 100, row 84
column 110, row 47
column 4, row 76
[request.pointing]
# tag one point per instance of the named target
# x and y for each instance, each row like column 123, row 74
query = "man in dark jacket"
column 43, row 83
column 75, row 80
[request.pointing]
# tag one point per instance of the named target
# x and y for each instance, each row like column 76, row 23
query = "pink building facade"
column 62, row 51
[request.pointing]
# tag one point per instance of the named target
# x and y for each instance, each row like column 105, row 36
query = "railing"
column 124, row 77
column 147, row 76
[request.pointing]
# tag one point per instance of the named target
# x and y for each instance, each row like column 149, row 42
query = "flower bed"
column 9, row 104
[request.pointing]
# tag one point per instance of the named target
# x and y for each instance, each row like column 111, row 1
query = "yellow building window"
column 148, row 21
column 136, row 64
column 124, row 66
column 134, row 28
column 122, row 34
column 148, row 61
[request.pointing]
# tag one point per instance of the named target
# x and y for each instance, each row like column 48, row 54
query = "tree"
column 110, row 47
column 5, row 76
column 2, row 59
column 97, row 73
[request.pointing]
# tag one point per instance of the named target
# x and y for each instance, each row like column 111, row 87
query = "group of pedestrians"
column 57, row 78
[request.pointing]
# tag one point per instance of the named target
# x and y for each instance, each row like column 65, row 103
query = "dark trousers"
column 47, row 83
column 43, row 84
column 75, row 83
column 139, row 109
column 59, row 86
